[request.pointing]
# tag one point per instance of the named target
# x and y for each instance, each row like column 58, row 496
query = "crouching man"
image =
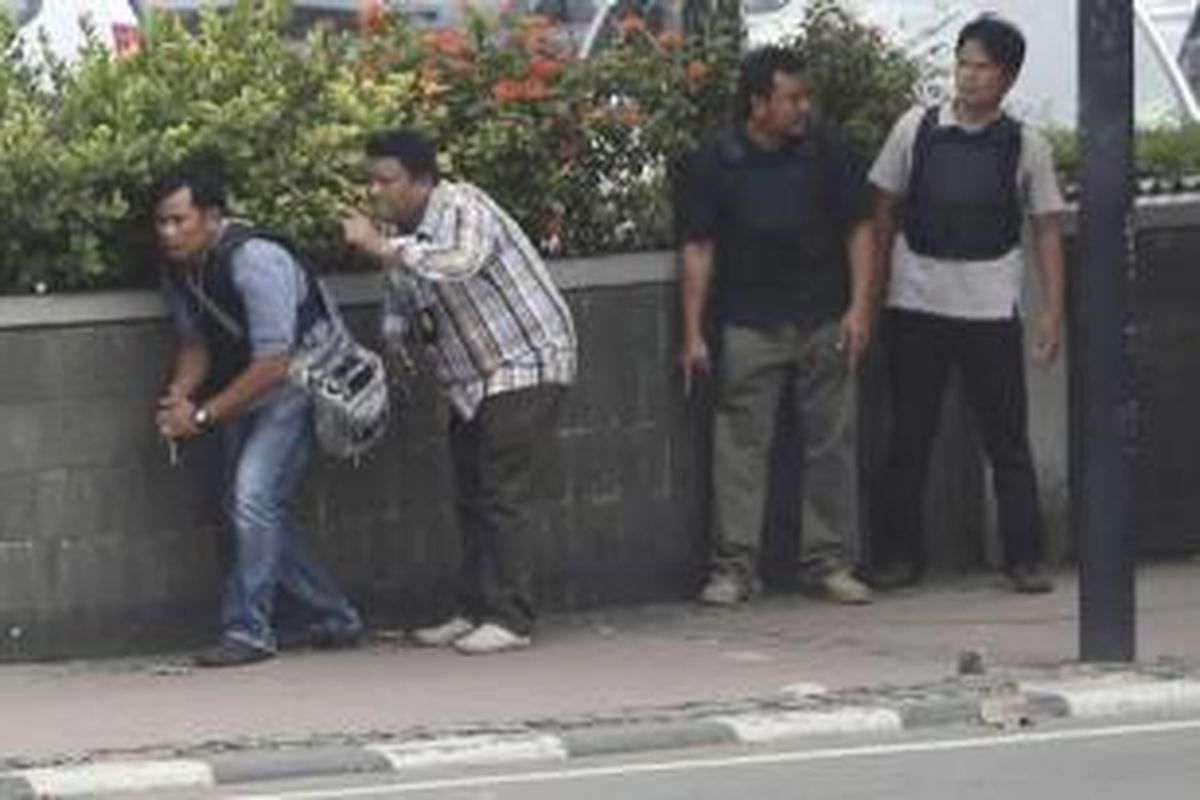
column 240, row 309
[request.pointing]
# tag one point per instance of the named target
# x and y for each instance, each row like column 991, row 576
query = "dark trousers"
column 497, row 456
column 989, row 356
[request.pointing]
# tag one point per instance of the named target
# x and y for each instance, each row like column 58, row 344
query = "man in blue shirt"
column 240, row 311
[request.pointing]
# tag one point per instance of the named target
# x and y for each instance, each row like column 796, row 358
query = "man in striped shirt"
column 467, row 284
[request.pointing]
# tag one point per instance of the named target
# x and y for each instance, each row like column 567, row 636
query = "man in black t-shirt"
column 778, row 246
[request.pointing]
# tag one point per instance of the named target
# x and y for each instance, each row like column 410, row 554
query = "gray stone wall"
column 105, row 548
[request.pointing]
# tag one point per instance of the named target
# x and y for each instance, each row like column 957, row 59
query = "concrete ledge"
column 112, row 777
column 615, row 739
column 652, row 729
column 1119, row 695
column 502, row 748
column 359, row 289
column 298, row 763
column 951, row 711
column 782, row 725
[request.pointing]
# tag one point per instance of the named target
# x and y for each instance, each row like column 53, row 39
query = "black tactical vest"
column 963, row 201
column 781, row 243
column 220, row 310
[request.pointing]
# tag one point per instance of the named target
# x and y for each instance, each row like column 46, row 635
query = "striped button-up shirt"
column 471, row 288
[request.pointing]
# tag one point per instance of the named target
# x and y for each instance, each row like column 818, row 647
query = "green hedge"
column 582, row 152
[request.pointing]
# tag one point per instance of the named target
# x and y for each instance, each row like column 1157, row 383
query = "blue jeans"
column 266, row 450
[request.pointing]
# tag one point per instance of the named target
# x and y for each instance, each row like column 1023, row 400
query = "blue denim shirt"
column 272, row 286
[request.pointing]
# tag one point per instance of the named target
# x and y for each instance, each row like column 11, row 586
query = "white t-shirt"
column 965, row 289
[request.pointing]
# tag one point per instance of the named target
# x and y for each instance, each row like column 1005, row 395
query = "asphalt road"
column 1143, row 760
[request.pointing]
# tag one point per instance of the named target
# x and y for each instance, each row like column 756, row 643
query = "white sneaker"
column 443, row 635
column 490, row 638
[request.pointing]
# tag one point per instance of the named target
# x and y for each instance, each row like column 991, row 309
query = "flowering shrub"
column 580, row 152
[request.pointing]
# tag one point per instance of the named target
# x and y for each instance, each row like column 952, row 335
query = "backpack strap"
column 236, row 234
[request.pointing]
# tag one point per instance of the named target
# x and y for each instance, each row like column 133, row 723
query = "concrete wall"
column 105, row 548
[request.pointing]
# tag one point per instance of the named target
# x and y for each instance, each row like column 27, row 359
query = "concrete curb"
column 1006, row 705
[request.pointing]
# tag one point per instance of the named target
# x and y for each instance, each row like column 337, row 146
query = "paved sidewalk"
column 660, row 676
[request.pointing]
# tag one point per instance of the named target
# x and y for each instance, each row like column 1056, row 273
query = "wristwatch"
column 202, row 418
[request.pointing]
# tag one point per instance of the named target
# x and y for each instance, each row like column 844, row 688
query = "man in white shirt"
column 954, row 187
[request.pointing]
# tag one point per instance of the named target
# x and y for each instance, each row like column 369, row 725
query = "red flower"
column 535, row 89
column 544, row 69
column 447, row 42
column 507, row 90
column 372, row 16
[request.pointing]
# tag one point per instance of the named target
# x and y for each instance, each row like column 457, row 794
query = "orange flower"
column 506, row 90
column 696, row 71
column 544, row 69
column 447, row 42
column 535, row 89
column 372, row 16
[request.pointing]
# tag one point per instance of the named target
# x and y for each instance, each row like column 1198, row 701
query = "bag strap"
column 223, row 317
column 236, row 234
column 332, row 310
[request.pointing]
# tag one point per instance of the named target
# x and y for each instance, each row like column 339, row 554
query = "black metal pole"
column 1101, row 411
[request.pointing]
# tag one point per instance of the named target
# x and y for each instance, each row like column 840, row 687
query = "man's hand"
column 1048, row 337
column 174, row 418
column 173, row 394
column 694, row 359
column 361, row 234
column 855, row 335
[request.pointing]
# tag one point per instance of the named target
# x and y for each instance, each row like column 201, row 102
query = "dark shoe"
column 1030, row 579
column 337, row 638
column 895, row 576
column 231, row 653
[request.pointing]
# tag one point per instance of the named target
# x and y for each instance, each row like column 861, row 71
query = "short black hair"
column 205, row 180
column 756, row 77
column 416, row 152
column 1000, row 39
